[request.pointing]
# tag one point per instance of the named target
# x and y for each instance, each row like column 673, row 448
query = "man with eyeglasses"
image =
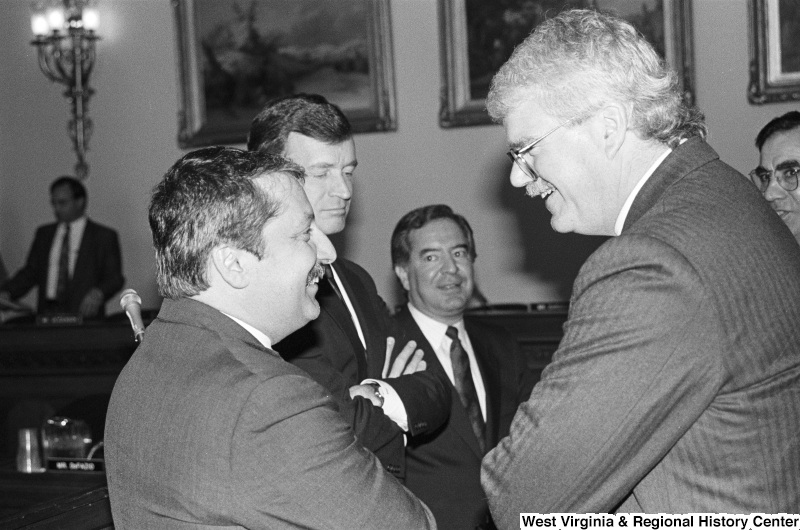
column 779, row 167
column 676, row 387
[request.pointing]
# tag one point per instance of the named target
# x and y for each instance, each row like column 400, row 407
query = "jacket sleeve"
column 638, row 364
column 373, row 429
column 297, row 456
column 35, row 267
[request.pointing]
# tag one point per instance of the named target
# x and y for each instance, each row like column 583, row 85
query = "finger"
column 388, row 359
column 400, row 363
column 413, row 364
column 422, row 366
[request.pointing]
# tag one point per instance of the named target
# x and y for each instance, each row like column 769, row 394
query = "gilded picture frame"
column 774, row 51
column 235, row 55
column 478, row 36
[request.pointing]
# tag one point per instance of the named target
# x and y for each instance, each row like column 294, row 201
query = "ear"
column 231, row 265
column 402, row 275
column 614, row 127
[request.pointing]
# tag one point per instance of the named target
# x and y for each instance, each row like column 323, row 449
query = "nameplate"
column 61, row 319
column 75, row 464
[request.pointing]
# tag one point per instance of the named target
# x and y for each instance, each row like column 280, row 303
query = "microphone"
column 131, row 303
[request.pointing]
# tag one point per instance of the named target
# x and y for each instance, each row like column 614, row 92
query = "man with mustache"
column 676, row 386
column 348, row 348
column 778, row 170
column 433, row 255
column 208, row 426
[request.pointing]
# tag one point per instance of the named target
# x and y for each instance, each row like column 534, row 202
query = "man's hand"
column 90, row 305
column 365, row 391
column 407, row 362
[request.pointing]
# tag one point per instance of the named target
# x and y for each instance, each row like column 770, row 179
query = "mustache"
column 538, row 188
column 315, row 274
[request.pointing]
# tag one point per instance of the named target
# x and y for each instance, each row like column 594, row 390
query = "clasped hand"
column 408, row 361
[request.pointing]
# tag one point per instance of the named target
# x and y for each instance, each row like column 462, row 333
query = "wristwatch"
column 378, row 391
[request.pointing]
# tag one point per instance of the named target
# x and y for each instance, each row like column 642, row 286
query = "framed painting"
column 774, row 51
column 479, row 36
column 235, row 55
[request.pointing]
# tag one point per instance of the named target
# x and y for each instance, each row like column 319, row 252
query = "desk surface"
column 20, row 492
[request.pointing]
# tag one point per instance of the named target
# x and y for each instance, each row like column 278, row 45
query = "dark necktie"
column 63, row 270
column 330, row 297
column 466, row 387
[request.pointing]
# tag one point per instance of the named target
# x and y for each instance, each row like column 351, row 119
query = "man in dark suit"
column 676, row 387
column 345, row 349
column 778, row 173
column 75, row 262
column 433, row 253
column 208, row 426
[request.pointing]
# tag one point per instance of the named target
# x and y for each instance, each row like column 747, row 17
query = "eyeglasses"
column 786, row 175
column 517, row 155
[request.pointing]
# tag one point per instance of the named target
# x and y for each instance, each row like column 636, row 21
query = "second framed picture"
column 479, row 36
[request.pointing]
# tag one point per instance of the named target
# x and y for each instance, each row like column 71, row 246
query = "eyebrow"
column 519, row 144
column 786, row 164
column 463, row 246
column 328, row 165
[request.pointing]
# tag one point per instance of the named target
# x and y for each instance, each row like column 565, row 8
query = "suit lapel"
column 341, row 316
column 693, row 154
column 459, row 422
column 359, row 297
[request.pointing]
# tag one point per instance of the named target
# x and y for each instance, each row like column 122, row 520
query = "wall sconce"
column 64, row 32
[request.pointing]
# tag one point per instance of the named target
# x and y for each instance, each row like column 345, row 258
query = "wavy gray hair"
column 579, row 60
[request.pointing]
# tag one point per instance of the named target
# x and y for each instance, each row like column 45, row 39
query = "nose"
column 449, row 264
column 325, row 251
column 341, row 186
column 518, row 178
column 774, row 191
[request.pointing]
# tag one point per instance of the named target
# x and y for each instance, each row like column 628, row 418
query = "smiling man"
column 208, row 426
column 348, row 348
column 676, row 387
column 433, row 254
column 779, row 168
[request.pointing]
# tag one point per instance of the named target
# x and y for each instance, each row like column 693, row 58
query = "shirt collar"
column 259, row 336
column 626, row 207
column 433, row 330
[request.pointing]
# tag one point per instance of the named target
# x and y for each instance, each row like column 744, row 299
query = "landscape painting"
column 235, row 55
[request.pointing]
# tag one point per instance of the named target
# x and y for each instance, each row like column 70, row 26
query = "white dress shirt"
column 76, row 229
column 435, row 331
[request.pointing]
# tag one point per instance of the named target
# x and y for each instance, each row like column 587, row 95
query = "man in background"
column 676, row 386
column 433, row 255
column 75, row 263
column 778, row 169
column 208, row 426
column 348, row 348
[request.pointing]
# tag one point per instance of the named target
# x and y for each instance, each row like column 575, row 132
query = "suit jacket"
column 325, row 351
column 676, row 387
column 99, row 264
column 443, row 467
column 206, row 427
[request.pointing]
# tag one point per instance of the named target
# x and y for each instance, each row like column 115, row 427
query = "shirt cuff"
column 392, row 404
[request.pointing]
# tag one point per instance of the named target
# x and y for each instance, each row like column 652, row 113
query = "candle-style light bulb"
column 55, row 18
column 39, row 24
column 91, row 19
